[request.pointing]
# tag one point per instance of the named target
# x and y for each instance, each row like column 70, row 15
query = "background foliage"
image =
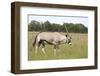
column 47, row 26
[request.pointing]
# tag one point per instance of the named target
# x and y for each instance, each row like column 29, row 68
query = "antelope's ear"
column 66, row 35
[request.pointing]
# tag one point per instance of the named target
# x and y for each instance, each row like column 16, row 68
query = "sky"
column 59, row 19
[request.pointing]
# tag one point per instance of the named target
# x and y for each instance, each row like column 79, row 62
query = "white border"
column 25, row 64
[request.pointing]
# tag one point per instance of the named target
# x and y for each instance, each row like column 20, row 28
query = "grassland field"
column 78, row 49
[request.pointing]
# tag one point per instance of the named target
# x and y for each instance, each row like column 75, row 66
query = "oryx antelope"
column 53, row 38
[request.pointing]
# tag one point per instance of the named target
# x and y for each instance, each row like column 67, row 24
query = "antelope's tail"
column 34, row 41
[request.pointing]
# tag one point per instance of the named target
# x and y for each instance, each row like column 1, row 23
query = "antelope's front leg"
column 55, row 49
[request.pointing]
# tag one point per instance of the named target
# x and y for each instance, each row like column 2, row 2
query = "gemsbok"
column 53, row 38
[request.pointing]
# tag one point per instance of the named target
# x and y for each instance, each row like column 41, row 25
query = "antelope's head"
column 68, row 39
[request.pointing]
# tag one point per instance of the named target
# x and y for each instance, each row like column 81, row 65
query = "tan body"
column 54, row 38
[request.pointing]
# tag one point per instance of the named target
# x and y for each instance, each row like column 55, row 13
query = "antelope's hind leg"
column 36, row 47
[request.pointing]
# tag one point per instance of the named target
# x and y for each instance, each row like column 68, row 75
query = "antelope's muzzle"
column 70, row 43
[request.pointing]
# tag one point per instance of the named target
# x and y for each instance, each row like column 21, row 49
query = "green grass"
column 77, row 50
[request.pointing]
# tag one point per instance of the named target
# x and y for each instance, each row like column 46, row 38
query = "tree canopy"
column 47, row 26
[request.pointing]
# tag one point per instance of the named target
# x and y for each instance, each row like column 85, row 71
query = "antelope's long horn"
column 66, row 30
column 43, row 27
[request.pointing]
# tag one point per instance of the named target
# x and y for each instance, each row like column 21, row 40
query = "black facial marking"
column 66, row 35
column 69, row 41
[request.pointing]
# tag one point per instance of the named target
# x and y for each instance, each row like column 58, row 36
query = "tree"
column 34, row 26
column 47, row 26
